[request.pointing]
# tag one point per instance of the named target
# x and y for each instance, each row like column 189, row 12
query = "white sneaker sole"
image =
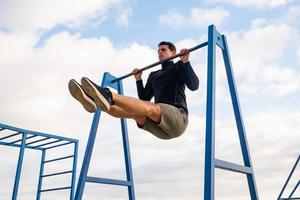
column 92, row 91
column 79, row 95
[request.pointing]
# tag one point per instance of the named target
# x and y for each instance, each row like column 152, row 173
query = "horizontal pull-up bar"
column 160, row 62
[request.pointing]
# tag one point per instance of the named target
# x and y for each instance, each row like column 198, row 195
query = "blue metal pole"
column 19, row 167
column 74, row 170
column 88, row 151
column 209, row 172
column 289, row 177
column 127, row 151
column 239, row 120
column 38, row 194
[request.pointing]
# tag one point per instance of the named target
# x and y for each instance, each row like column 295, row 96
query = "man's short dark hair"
column 169, row 44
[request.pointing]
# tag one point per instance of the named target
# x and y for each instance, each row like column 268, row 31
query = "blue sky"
column 45, row 43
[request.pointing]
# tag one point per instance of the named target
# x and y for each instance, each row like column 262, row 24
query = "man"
column 167, row 117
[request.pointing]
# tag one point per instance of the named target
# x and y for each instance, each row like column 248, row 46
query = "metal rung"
column 21, row 139
column 38, row 141
column 291, row 198
column 10, row 136
column 59, row 173
column 56, row 159
column 107, row 181
column 61, row 188
column 232, row 167
column 59, row 145
column 48, row 143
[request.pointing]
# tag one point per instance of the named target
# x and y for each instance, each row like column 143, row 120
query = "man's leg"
column 118, row 112
column 105, row 99
column 138, row 107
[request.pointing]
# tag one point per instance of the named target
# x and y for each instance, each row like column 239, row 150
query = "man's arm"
column 189, row 76
column 143, row 93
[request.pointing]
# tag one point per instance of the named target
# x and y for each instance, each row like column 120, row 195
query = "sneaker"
column 102, row 96
column 78, row 93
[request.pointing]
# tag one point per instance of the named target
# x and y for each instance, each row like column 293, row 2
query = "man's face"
column 164, row 52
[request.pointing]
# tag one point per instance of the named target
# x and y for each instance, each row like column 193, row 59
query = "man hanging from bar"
column 167, row 117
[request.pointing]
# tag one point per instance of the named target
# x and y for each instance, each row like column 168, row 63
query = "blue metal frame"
column 83, row 178
column 287, row 181
column 216, row 39
column 38, row 141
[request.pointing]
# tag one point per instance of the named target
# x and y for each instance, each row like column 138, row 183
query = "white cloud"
column 257, row 3
column 33, row 15
column 197, row 18
column 258, row 53
column 123, row 18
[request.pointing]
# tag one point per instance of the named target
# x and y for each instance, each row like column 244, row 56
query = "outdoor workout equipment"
column 25, row 139
column 287, row 181
column 214, row 39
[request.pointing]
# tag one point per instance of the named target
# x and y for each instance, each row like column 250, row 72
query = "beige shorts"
column 173, row 123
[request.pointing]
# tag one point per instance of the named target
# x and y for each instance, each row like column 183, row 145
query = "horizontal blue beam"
column 18, row 145
column 232, row 167
column 53, row 189
column 57, row 159
column 58, row 173
column 58, row 145
column 107, row 181
column 9, row 136
column 36, row 141
column 48, row 143
column 21, row 139
column 54, row 136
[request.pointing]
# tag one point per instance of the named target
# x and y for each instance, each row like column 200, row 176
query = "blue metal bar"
column 36, row 133
column 54, row 189
column 159, row 62
column 126, row 151
column 209, row 173
column 289, row 177
column 59, row 145
column 239, row 120
column 40, row 140
column 88, row 151
column 21, row 139
column 19, row 167
column 19, row 145
column 74, row 171
column 12, row 135
column 294, row 190
column 38, row 195
column 107, row 181
column 56, row 159
column 58, row 173
column 232, row 167
column 49, row 143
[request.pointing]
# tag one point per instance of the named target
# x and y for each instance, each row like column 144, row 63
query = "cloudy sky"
column 45, row 43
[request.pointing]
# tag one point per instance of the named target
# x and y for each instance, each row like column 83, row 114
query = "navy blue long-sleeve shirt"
column 167, row 85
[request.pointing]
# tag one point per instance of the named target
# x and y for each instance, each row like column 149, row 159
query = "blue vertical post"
column 126, row 150
column 239, row 120
column 288, row 179
column 209, row 170
column 88, row 153
column 19, row 167
column 74, row 170
column 83, row 178
column 38, row 194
